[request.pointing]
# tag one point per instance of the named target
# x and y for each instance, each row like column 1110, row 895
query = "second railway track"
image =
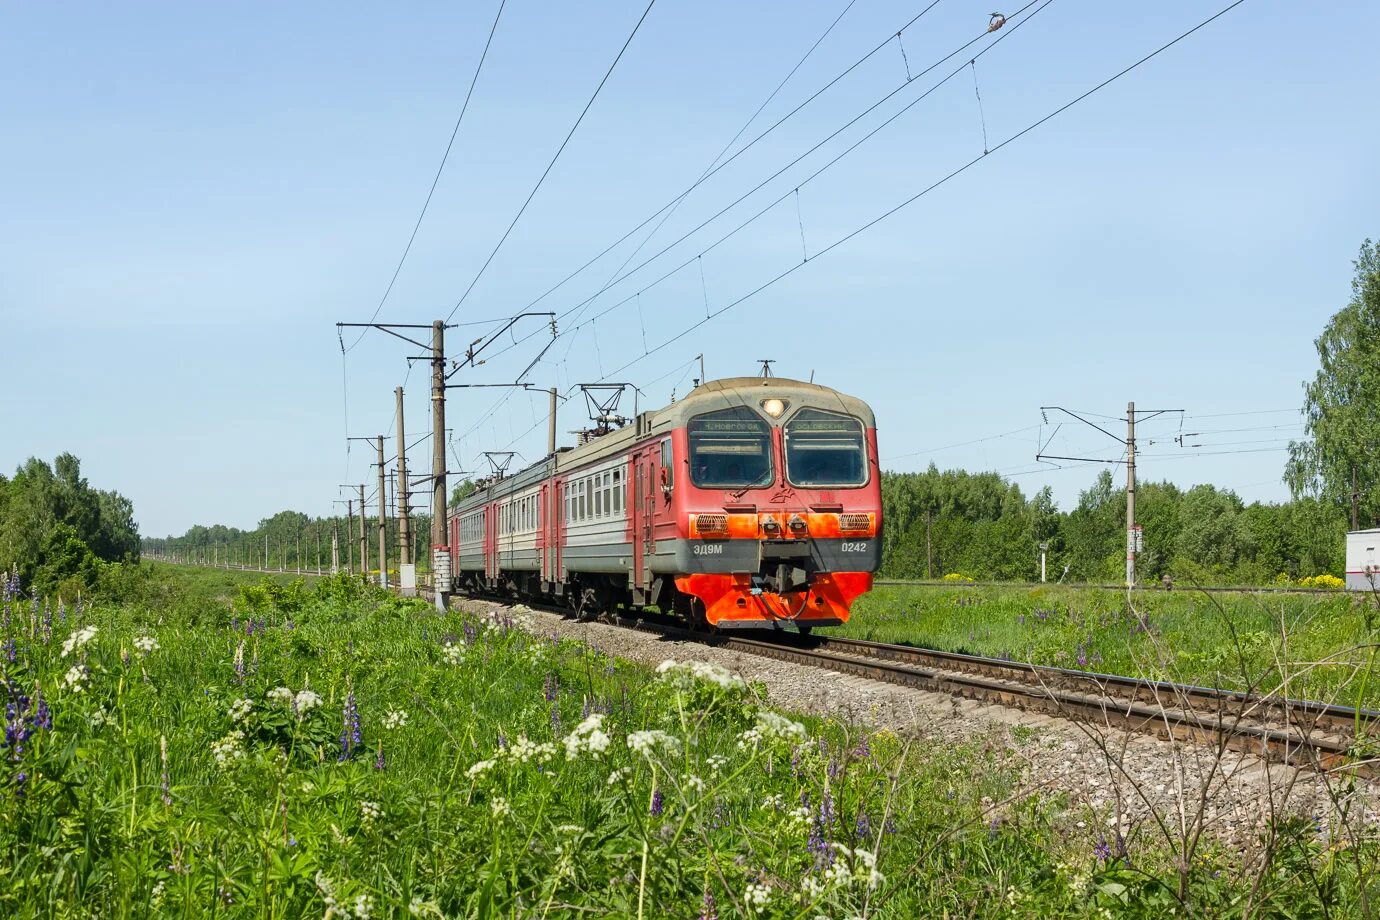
column 1301, row 733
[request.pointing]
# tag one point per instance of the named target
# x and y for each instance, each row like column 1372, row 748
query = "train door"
column 491, row 531
column 640, row 510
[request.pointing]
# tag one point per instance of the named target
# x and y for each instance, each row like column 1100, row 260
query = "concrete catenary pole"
column 335, row 550
column 349, row 544
column 440, row 568
column 363, row 537
column 1131, row 541
column 404, row 512
column 383, row 518
column 551, row 424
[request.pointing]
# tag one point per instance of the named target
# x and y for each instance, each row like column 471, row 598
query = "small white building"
column 1363, row 560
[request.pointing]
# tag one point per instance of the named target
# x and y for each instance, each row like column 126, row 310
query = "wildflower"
column 77, row 639
column 146, row 644
column 708, row 910
column 394, row 719
column 756, row 897
column 1102, row 850
column 305, row 701
column 350, row 736
column 656, row 807
column 684, row 674
column 617, row 776
column 362, row 907
column 156, row 896
column 280, row 695
column 239, row 661
column 480, row 768
column 499, row 807
column 694, row 783
column 453, row 654
column 369, row 812
column 165, row 785
column 774, row 725
column 75, row 679
column 647, row 741
column 228, row 749
column 588, row 737
column 524, row 750
column 240, row 710
column 550, row 687
column 716, row 762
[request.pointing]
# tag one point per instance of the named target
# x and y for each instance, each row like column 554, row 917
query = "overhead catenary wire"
column 549, row 166
column 942, row 181
column 439, row 169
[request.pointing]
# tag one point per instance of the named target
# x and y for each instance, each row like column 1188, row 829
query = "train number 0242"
column 850, row 546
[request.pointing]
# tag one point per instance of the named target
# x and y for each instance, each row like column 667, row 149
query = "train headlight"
column 774, row 407
column 798, row 524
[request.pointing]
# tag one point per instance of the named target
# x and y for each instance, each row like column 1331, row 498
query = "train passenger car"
column 754, row 501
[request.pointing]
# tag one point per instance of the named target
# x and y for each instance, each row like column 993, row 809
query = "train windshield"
column 730, row 449
column 825, row 450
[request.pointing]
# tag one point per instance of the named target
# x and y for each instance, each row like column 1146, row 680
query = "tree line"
column 57, row 532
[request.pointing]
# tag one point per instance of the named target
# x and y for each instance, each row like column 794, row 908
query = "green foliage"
column 1320, row 644
column 199, row 770
column 463, row 490
column 55, row 530
column 980, row 525
column 1342, row 455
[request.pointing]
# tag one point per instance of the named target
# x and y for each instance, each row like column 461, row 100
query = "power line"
column 549, row 166
column 925, row 191
column 439, row 169
column 935, row 450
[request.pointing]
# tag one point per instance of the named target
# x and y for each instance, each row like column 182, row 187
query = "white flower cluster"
column 304, row 700
column 453, row 654
column 358, row 909
column 756, row 897
column 647, row 742
column 78, row 639
column 146, row 644
column 500, row 808
column 480, row 768
column 228, row 749
column 524, row 750
column 100, row 717
column 684, row 674
column 617, row 776
column 75, row 678
column 717, row 762
column 774, row 803
column 694, row 783
column 369, row 812
column 240, row 710
column 771, row 726
column 854, row 867
column 394, row 718
column 587, row 738
column 799, row 816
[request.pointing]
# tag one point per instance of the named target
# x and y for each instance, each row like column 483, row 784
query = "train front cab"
column 774, row 486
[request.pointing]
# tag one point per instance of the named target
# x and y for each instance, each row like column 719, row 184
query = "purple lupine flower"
column 584, row 710
column 555, row 720
column 657, row 806
column 350, row 735
column 11, row 650
column 834, row 768
column 550, row 687
column 708, row 909
column 502, row 741
column 862, row 827
column 720, row 816
column 235, row 623
column 471, row 632
column 1082, row 656
column 864, row 749
column 1102, row 850
column 826, row 810
column 379, row 762
column 19, row 780
column 43, row 716
column 62, row 611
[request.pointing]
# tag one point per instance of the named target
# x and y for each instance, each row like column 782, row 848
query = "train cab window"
column 825, row 450
column 729, row 449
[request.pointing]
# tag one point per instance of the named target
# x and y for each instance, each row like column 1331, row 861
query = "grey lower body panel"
column 724, row 556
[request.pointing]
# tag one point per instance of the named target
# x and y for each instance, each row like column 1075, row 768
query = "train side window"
column 668, row 466
column 617, row 491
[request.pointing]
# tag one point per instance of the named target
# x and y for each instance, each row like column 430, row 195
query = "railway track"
column 1301, row 733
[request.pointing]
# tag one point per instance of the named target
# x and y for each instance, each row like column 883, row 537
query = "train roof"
column 709, row 396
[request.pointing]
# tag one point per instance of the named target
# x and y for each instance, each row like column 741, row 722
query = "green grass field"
column 330, row 751
column 1311, row 646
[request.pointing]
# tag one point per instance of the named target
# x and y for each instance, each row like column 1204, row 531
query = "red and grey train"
column 753, row 502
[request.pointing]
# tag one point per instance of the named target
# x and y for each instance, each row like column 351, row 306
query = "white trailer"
column 1363, row 560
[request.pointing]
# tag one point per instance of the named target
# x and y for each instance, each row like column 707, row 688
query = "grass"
column 1314, row 646
column 332, row 751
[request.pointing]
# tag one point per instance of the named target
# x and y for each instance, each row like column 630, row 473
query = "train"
column 753, row 502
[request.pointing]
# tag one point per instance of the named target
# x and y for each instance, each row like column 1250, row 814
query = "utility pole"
column 265, row 552
column 363, row 540
column 335, row 550
column 440, row 551
column 383, row 519
column 349, row 544
column 551, row 425
column 299, row 552
column 318, row 550
column 404, row 512
column 1132, row 535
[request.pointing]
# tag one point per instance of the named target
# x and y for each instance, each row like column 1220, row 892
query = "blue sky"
column 193, row 195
